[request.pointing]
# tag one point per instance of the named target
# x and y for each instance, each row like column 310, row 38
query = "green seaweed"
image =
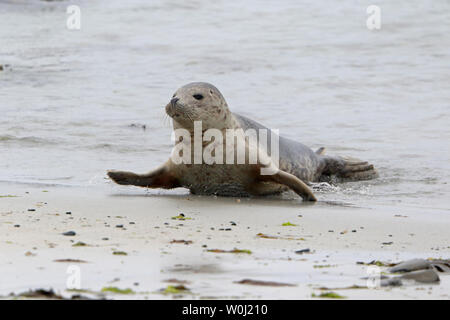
column 118, row 290
column 79, row 244
column 330, row 294
column 377, row 263
column 288, row 224
column 230, row 251
column 175, row 289
column 120, row 253
column 181, row 217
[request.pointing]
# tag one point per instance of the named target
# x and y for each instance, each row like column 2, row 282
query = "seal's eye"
column 198, row 96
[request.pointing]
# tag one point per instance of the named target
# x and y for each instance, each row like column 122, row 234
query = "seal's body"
column 297, row 163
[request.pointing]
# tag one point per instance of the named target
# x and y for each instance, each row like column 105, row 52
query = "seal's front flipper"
column 159, row 178
column 122, row 177
column 291, row 181
column 348, row 169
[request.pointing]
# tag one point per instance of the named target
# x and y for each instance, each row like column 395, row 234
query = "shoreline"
column 126, row 239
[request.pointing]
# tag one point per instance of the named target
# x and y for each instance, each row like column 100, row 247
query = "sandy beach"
column 129, row 239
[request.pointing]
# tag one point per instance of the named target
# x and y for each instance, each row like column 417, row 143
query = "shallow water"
column 310, row 69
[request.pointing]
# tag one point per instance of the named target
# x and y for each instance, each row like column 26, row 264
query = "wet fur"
column 297, row 162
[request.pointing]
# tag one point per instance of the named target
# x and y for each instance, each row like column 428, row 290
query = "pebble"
column 119, row 226
column 307, row 250
column 69, row 233
column 411, row 265
column 31, row 209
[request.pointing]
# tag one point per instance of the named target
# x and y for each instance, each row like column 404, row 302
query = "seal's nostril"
column 174, row 101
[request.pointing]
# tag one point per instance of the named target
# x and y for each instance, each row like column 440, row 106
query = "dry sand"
column 337, row 235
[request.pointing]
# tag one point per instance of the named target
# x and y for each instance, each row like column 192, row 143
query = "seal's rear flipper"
column 347, row 169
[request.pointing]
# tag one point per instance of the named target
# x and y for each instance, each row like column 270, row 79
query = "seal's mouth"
column 177, row 110
column 171, row 108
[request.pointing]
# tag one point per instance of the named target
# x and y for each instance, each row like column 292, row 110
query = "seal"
column 297, row 164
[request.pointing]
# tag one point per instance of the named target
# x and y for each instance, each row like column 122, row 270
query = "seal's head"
column 199, row 101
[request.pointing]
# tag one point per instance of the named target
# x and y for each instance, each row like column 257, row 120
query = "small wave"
column 27, row 141
column 119, row 148
column 324, row 187
column 36, row 183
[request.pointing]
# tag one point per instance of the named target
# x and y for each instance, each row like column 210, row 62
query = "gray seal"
column 298, row 165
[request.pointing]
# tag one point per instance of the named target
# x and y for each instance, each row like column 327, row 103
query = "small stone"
column 423, row 276
column 391, row 282
column 69, row 233
column 119, row 226
column 17, row 225
column 302, row 251
column 105, row 239
column 68, row 212
column 411, row 265
column 31, row 209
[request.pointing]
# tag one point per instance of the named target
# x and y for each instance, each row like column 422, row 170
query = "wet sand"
column 126, row 238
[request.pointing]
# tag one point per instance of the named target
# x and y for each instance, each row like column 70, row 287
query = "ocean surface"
column 74, row 103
